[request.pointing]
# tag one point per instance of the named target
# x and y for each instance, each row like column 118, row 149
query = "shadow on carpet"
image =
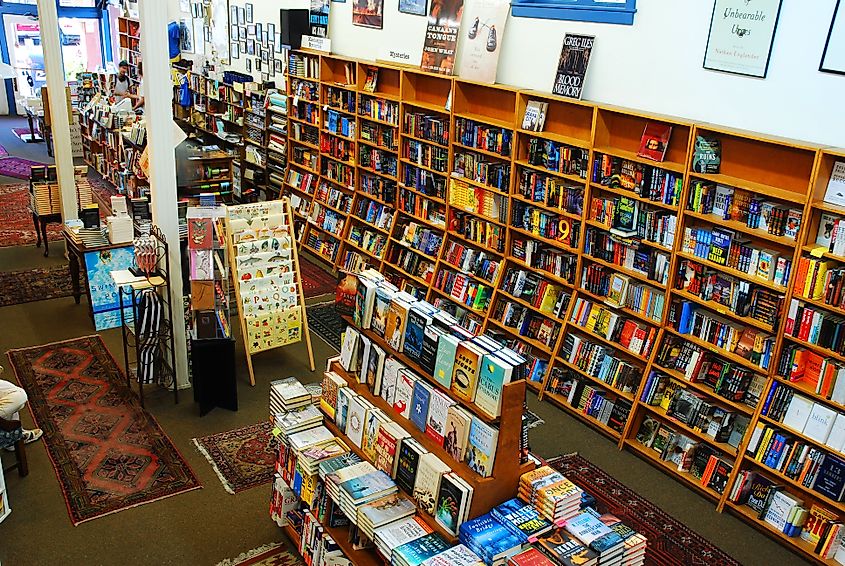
column 38, row 284
column 670, row 542
column 108, row 452
column 242, row 458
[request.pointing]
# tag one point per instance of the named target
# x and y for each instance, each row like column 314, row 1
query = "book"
column 494, row 374
column 407, row 464
column 566, row 549
column 349, row 349
column 397, row 320
column 419, row 550
column 404, row 392
column 466, row 367
column 390, row 435
column 830, row 478
column 522, row 518
column 344, row 398
column 798, row 412
column 453, row 501
column 419, row 318
column 655, row 141
column 427, row 483
column 625, row 217
column 438, row 414
column 381, row 305
column 456, row 434
column 707, row 154
column 356, row 419
column 371, row 80
column 481, row 447
column 835, row 192
column 819, row 423
column 447, row 348
column 364, row 300
column 572, row 65
column 419, row 404
column 535, row 116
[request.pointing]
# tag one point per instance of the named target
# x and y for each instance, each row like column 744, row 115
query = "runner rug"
column 267, row 555
column 36, row 284
column 16, row 227
column 108, row 452
column 243, row 458
column 670, row 542
column 316, row 281
column 17, row 167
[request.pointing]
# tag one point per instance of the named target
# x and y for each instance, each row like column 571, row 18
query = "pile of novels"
column 383, row 511
column 297, row 420
column 555, row 497
column 93, row 237
column 286, row 395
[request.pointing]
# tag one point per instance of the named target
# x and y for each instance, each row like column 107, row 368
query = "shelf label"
column 818, row 251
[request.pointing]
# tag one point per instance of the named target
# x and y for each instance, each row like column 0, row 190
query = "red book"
column 655, row 141
column 531, row 557
column 813, row 370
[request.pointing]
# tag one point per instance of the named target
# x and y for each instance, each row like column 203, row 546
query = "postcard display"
column 268, row 283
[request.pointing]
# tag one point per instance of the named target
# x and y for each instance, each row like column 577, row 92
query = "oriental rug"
column 17, row 167
column 243, row 458
column 16, row 227
column 108, row 453
column 316, row 281
column 670, row 542
column 37, row 284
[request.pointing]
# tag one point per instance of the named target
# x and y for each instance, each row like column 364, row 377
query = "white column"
column 158, row 111
column 48, row 18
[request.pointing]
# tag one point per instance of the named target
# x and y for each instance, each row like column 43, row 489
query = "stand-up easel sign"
column 268, row 282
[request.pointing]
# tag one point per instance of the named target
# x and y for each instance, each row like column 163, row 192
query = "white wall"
column 654, row 65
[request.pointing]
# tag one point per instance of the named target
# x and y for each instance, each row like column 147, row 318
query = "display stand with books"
column 267, row 278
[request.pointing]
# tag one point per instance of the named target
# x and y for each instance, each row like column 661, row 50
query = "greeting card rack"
column 152, row 348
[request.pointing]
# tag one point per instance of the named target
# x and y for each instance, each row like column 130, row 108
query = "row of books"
column 341, row 173
column 625, row 217
column 334, row 197
column 723, row 247
column 545, row 224
column 374, row 213
column 377, row 186
column 474, row 369
column 417, row 206
column 468, row 292
column 812, row 281
column 354, row 262
column 426, row 155
column 621, row 291
column 481, row 136
column 585, row 397
column 654, row 265
column 606, row 323
column 471, row 260
column 332, row 146
column 423, row 181
column 379, row 109
column 648, row 181
column 525, row 322
column 381, row 135
column 789, row 515
column 550, row 191
column 558, row 157
column 327, row 219
column 477, row 200
column 377, row 160
column 815, row 325
column 431, row 127
column 482, row 170
column 601, row 362
column 545, row 257
column 698, row 365
column 699, row 459
column 411, row 263
column 544, row 296
column 340, row 98
column 798, row 460
column 694, row 409
column 820, row 374
column 340, row 125
column 364, row 238
column 801, row 414
column 420, row 238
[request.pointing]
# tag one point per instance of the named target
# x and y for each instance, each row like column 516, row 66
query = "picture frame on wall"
column 271, row 31
column 233, row 15
column 241, row 15
column 279, row 44
column 368, row 14
column 250, row 46
column 250, row 30
column 414, row 7
column 259, row 31
column 271, row 48
column 249, row 65
column 741, row 36
column 265, row 77
column 257, row 64
column 277, row 63
column 833, row 56
column 265, row 37
column 243, row 47
column 242, row 33
column 271, row 68
column 233, row 31
column 234, row 50
column 265, row 55
column 248, row 9
column 340, row 1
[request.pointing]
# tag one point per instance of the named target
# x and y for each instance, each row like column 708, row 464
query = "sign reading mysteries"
column 741, row 36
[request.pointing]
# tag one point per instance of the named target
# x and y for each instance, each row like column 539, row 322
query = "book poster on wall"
column 741, row 36
column 368, row 13
column 833, row 57
column 105, row 300
column 441, row 36
column 572, row 65
column 318, row 17
column 482, row 40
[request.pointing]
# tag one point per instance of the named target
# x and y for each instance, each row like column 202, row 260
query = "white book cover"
column 427, row 485
column 820, row 423
column 438, row 412
column 349, row 349
column 836, row 438
column 364, row 358
column 798, row 412
column 835, row 193
column 308, row 437
column 404, row 392
column 838, row 394
column 827, row 222
column 389, row 378
column 355, row 420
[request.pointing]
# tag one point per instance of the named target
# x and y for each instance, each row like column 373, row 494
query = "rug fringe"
column 250, row 554
column 77, row 523
column 226, row 485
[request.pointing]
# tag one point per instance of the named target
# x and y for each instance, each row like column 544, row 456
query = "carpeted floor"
column 670, row 542
column 108, row 452
column 268, row 555
column 315, row 280
column 16, row 227
column 17, row 167
column 36, row 284
column 324, row 321
column 243, row 458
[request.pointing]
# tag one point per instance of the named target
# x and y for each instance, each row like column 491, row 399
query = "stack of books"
column 593, row 533
column 418, row 550
column 297, row 420
column 286, row 395
column 490, row 539
column 555, row 497
column 635, row 543
column 397, row 533
column 458, row 555
column 93, row 237
column 359, row 490
column 384, row 511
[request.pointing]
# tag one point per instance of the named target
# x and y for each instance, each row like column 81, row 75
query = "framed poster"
column 480, row 45
column 248, row 13
column 234, row 15
column 414, row 7
column 368, row 13
column 833, row 56
column 105, row 301
column 741, row 36
column 235, row 50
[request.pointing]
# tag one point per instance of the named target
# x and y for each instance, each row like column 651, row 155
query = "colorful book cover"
column 438, row 413
column 407, row 464
column 428, row 357
column 457, row 432
column 481, row 447
column 397, row 321
column 384, row 295
column 356, row 420
column 572, row 65
column 465, row 372
column 447, row 348
column 372, row 421
column 404, row 392
column 367, row 486
column 655, row 141
column 387, row 509
column 418, row 551
column 427, row 483
column 344, row 397
column 419, row 404
column 495, row 373
column 451, row 504
column 418, row 320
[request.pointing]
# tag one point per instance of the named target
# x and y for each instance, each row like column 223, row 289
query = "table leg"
column 43, row 236
column 37, row 231
column 73, row 260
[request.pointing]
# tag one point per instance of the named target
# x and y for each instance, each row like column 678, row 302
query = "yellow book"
column 764, row 444
column 592, row 319
column 550, row 297
column 818, row 283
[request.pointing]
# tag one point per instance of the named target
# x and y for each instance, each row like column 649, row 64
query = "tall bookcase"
column 129, row 45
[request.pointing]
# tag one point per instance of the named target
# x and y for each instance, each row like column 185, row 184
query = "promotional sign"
column 741, row 36
column 105, row 300
column 368, row 13
column 481, row 44
column 833, row 58
column 441, row 36
column 572, row 66
column 318, row 18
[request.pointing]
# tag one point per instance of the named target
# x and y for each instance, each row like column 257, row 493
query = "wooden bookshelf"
column 788, row 174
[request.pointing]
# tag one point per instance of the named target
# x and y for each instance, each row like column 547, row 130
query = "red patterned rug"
column 316, row 281
column 243, row 458
column 16, row 227
column 108, row 452
column 670, row 542
column 268, row 555
column 17, row 167
column 36, row 284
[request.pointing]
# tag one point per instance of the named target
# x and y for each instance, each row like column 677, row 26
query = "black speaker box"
column 213, row 371
column 294, row 24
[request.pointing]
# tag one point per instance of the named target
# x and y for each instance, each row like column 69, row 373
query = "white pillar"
column 48, row 18
column 158, row 95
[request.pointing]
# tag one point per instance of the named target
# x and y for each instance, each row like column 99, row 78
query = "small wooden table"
column 40, row 221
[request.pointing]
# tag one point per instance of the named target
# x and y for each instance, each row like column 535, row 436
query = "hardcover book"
column 344, row 397
column 404, row 392
column 655, row 141
column 419, row 318
column 452, row 502
column 384, row 296
column 397, row 320
column 835, row 193
column 457, row 432
column 481, row 447
column 428, row 358
column 356, row 420
column 494, row 375
column 535, row 116
column 427, row 483
column 447, row 348
column 419, row 404
column 389, row 379
column 407, row 464
column 465, row 373
column 438, row 413
column 418, row 551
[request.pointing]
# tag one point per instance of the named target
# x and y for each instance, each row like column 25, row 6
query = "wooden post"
column 294, row 247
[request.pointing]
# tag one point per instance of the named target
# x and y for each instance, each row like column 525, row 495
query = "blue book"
column 419, row 404
column 419, row 317
column 488, row 537
column 495, row 372
column 521, row 519
column 830, row 480
column 687, row 311
column 418, row 551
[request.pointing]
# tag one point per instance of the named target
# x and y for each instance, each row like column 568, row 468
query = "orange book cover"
column 827, row 379
column 813, row 370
